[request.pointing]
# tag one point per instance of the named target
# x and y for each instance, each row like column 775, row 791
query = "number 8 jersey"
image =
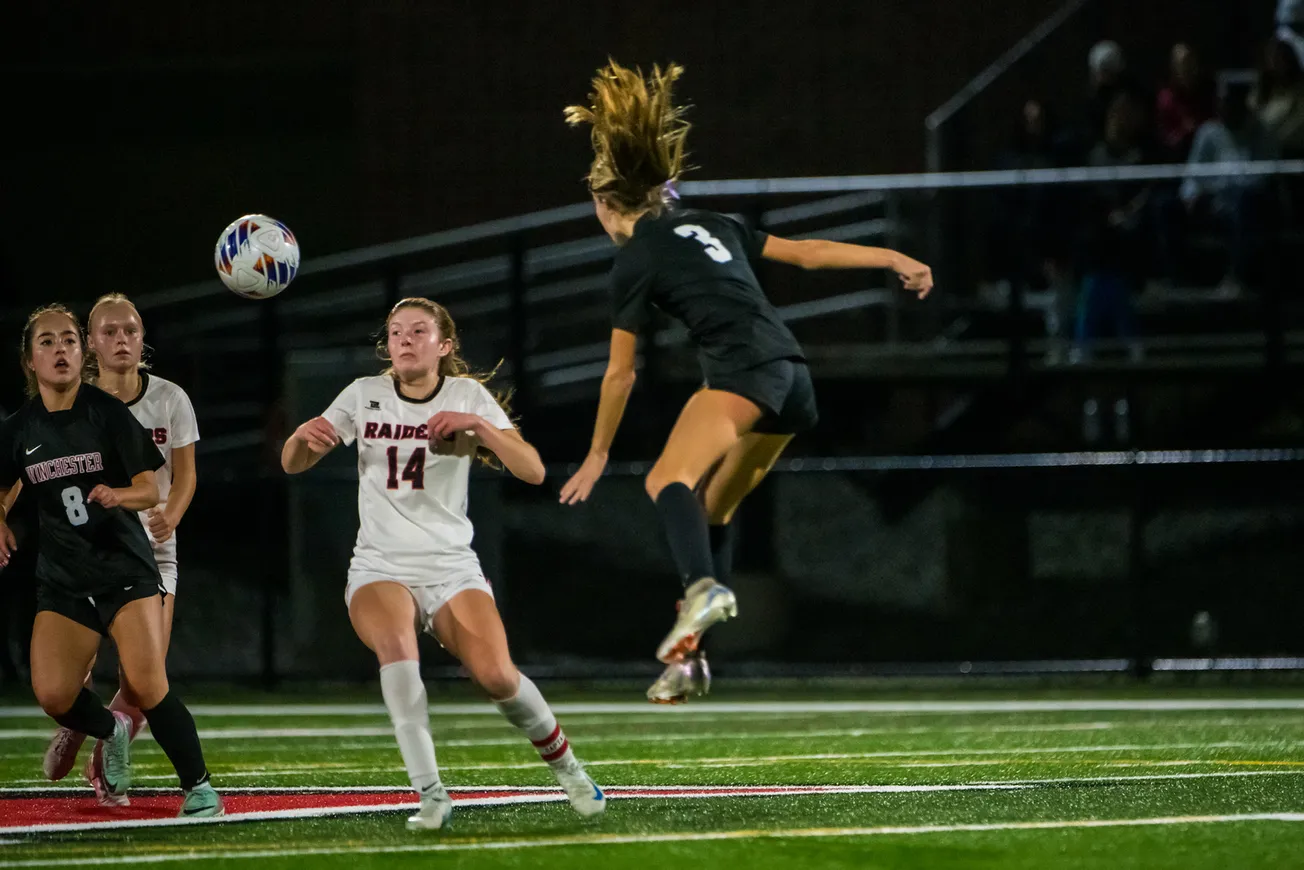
column 413, row 526
column 60, row 456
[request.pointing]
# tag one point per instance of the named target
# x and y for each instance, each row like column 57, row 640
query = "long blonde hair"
column 29, row 373
column 90, row 359
column 451, row 365
column 638, row 135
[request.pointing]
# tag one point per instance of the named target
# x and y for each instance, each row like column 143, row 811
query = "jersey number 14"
column 414, row 471
column 715, row 248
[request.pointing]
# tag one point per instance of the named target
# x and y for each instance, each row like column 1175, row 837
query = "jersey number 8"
column 715, row 248
column 74, row 506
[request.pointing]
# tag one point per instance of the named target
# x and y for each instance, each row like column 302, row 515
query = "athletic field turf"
column 839, row 779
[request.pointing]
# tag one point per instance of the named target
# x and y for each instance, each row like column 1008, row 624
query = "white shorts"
column 429, row 597
column 168, row 571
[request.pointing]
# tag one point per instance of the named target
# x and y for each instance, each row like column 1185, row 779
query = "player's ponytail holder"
column 669, row 194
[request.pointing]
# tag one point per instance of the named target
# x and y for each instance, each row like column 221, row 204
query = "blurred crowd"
column 1098, row 246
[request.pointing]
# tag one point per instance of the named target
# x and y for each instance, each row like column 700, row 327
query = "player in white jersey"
column 116, row 336
column 418, row 427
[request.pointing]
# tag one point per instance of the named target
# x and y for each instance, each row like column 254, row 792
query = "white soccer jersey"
column 413, row 526
column 164, row 409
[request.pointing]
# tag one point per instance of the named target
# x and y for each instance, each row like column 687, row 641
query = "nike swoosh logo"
column 34, row 449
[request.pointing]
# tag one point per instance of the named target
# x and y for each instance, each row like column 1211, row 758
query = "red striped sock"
column 553, row 747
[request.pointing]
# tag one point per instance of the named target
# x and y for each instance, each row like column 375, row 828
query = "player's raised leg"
column 384, row 616
column 470, row 628
column 710, row 424
column 720, row 492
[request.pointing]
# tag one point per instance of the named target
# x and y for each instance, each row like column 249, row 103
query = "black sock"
column 685, row 524
column 174, row 730
column 722, row 543
column 88, row 715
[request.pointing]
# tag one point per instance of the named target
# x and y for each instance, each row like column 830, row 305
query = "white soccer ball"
column 256, row 256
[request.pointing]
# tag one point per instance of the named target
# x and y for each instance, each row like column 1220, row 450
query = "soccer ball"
column 256, row 256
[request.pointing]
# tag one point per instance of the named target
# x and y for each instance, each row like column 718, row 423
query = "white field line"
column 388, row 732
column 677, row 837
column 385, row 731
column 83, row 791
column 750, row 707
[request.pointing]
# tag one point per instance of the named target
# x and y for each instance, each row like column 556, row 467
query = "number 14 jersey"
column 411, row 497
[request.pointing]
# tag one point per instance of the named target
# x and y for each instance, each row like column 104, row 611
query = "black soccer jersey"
column 696, row 266
column 85, row 549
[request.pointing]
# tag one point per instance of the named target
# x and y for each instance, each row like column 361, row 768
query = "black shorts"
column 783, row 391
column 95, row 612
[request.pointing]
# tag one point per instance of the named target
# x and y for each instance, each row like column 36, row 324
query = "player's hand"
column 104, row 495
column 318, row 434
column 160, row 527
column 916, row 277
column 8, row 544
column 577, row 489
column 446, row 424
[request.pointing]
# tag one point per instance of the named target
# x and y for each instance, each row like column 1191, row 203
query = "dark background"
column 135, row 132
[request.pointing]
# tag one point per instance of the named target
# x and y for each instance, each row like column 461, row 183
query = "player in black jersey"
column 697, row 267
column 90, row 466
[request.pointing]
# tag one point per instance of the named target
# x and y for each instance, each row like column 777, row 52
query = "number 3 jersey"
column 60, row 456
column 413, row 526
column 697, row 267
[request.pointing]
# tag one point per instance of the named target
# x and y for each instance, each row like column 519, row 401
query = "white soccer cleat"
column 692, row 676
column 61, row 755
column 435, row 812
column 704, row 604
column 583, row 793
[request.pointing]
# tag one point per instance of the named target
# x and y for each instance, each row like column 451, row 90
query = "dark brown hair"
column 638, row 135
column 25, row 352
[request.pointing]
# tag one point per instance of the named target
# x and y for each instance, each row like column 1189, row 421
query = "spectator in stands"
column 1109, row 78
column 1233, row 204
column 1278, row 98
column 1112, row 250
column 1030, row 230
column 1183, row 104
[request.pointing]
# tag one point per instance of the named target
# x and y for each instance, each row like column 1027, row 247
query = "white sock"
column 405, row 698
column 528, row 711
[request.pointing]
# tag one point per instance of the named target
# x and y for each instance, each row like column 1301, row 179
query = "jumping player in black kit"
column 90, row 466
column 697, row 267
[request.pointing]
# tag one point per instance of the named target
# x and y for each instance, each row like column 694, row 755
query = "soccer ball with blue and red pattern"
column 256, row 256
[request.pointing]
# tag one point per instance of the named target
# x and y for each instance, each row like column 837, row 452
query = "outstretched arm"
column 617, row 384
column 821, row 254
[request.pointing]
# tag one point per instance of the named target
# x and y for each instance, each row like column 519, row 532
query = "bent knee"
column 392, row 648
column 658, row 479
column 56, row 700
column 500, row 680
column 145, row 692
